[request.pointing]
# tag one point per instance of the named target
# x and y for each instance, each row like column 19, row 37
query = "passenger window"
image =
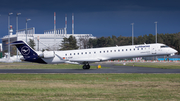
column 94, row 52
column 126, row 49
column 89, row 52
column 74, row 53
column 130, row 49
column 78, row 53
column 70, row 54
column 114, row 50
column 100, row 51
column 65, row 54
column 122, row 49
column 134, row 49
column 85, row 52
column 104, row 51
column 118, row 50
column 107, row 51
column 82, row 53
column 141, row 48
column 111, row 50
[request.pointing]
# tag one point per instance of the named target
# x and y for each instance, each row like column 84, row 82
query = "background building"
column 0, row 47
column 48, row 40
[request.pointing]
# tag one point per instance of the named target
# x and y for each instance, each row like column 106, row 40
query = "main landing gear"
column 86, row 66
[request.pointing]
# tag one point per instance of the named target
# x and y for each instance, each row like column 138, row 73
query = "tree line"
column 172, row 40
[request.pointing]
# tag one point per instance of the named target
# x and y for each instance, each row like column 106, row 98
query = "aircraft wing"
column 81, row 60
column 85, row 59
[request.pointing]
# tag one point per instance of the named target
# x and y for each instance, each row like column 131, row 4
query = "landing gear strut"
column 167, row 57
column 86, row 66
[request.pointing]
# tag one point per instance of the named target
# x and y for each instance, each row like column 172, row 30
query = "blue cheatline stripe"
column 173, row 59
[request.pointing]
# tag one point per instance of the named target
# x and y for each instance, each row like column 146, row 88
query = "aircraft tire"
column 86, row 66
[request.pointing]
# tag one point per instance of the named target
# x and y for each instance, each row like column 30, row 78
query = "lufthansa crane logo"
column 25, row 50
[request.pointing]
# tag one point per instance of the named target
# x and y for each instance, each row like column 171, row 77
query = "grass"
column 89, row 87
column 41, row 66
column 162, row 65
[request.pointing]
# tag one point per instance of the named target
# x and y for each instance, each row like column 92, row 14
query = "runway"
column 112, row 69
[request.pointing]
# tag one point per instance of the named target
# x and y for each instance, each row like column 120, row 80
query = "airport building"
column 0, row 47
column 50, row 39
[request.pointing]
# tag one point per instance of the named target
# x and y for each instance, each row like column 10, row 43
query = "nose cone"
column 175, row 51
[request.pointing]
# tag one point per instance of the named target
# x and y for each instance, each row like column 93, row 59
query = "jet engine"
column 47, row 54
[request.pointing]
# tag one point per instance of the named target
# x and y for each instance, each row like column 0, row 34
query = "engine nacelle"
column 47, row 54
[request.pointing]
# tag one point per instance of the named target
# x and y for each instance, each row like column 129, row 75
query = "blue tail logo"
column 28, row 53
column 25, row 50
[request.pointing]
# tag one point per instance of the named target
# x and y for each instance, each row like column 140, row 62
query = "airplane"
column 11, row 59
column 86, row 56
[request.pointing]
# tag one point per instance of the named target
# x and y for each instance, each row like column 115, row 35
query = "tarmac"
column 112, row 69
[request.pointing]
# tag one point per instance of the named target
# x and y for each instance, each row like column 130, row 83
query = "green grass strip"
column 89, row 87
column 162, row 65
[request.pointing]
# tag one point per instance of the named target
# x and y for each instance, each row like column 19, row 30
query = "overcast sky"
column 97, row 17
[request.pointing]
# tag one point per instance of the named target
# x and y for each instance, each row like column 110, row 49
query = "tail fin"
column 28, row 53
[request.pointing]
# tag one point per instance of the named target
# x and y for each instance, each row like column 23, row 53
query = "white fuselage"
column 107, row 53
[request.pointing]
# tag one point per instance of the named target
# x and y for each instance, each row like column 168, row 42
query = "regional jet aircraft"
column 86, row 56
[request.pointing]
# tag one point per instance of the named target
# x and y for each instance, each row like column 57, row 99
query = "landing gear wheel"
column 86, row 66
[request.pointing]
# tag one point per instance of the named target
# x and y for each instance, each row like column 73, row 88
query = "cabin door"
column 153, row 50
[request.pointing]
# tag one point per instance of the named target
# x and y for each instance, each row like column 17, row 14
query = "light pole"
column 156, row 30
column 156, row 33
column 17, row 30
column 9, row 35
column 17, row 22
column 26, row 28
column 132, row 33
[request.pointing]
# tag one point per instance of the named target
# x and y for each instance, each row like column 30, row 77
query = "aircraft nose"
column 175, row 51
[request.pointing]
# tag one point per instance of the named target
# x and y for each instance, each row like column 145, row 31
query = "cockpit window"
column 164, row 46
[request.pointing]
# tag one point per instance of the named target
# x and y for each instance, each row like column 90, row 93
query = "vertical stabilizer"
column 28, row 53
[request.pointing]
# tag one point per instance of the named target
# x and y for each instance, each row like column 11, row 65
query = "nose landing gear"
column 167, row 57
